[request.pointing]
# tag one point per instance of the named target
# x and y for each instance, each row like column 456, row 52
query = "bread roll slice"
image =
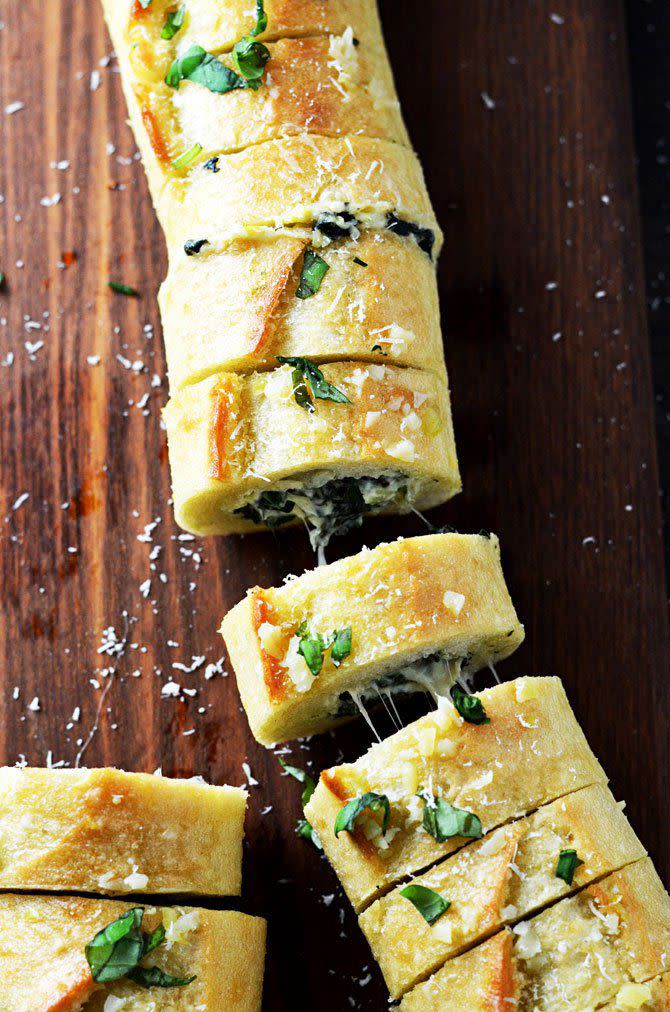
column 44, row 968
column 106, row 831
column 530, row 753
column 498, row 880
column 246, row 455
column 234, row 307
column 420, row 612
column 582, row 953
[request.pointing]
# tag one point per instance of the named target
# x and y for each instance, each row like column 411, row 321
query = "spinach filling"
column 333, row 507
column 345, row 225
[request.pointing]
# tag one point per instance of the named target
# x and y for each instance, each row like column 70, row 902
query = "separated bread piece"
column 500, row 879
column 105, row 831
column 234, row 307
column 44, row 966
column 589, row 951
column 338, row 186
column 249, row 452
column 530, row 753
column 414, row 613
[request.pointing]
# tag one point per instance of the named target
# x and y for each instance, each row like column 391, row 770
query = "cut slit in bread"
column 420, row 612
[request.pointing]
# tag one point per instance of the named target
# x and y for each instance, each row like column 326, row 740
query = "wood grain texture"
column 523, row 124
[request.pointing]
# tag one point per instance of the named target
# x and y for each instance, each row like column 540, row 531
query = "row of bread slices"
column 72, row 839
column 300, row 311
column 480, row 846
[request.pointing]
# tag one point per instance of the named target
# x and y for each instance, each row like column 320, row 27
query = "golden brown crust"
column 532, row 752
column 44, row 968
column 268, row 439
column 106, row 831
column 393, row 598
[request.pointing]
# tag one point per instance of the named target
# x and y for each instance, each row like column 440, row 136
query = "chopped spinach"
column 173, row 22
column 308, row 375
column 342, row 225
column 314, row 270
column 470, row 707
column 116, row 286
column 424, row 237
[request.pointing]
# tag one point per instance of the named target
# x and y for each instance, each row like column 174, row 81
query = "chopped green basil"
column 116, row 286
column 347, row 815
column 314, row 270
column 202, row 67
column 361, row 263
column 429, row 903
column 117, row 950
column 173, row 22
column 567, row 865
column 212, row 164
column 193, row 246
column 305, row 374
column 443, row 821
column 261, row 19
column 313, row 647
column 424, row 237
column 337, row 225
column 309, row 786
column 470, row 707
column 250, row 57
column 378, row 347
column 307, row 832
column 341, row 645
column 186, row 157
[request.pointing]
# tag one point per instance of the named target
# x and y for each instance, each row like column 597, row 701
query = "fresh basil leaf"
column 361, row 263
column 341, row 645
column 115, row 950
column 153, row 976
column 193, row 246
column 307, row 832
column 250, row 57
column 567, row 865
column 443, row 821
column 173, row 22
column 116, row 286
column 347, row 815
column 202, row 67
column 261, row 18
column 306, row 373
column 312, row 649
column 470, row 707
column 378, row 347
column 186, row 157
column 424, row 237
column 309, row 786
column 429, row 903
column 212, row 164
column 152, row 941
column 314, row 270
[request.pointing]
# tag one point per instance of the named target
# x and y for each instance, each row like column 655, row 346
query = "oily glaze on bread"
column 441, row 594
column 502, row 878
column 106, row 831
column 532, row 752
column 43, row 966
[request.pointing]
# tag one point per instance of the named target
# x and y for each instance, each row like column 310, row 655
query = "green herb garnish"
column 361, row 263
column 303, row 827
column 378, row 347
column 314, row 270
column 116, row 286
column 443, row 821
column 567, row 865
column 347, row 815
column 307, row 832
column 2, row 279
column 313, row 647
column 202, row 67
column 117, row 950
column 186, row 157
column 250, row 57
column 470, row 707
column 261, row 19
column 430, row 904
column 193, row 246
column 212, row 164
column 173, row 22
column 308, row 378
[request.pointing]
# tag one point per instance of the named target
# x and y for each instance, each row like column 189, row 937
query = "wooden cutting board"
column 521, row 114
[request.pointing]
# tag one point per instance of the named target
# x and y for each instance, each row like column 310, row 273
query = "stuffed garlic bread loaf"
column 406, row 616
column 500, row 879
column 241, row 302
column 106, row 831
column 599, row 948
column 324, row 447
column 53, row 960
column 447, row 771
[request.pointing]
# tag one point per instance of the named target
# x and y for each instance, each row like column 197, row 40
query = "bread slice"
column 582, row 953
column 498, row 880
column 530, row 753
column 420, row 610
column 43, row 965
column 234, row 306
column 245, row 454
column 106, row 831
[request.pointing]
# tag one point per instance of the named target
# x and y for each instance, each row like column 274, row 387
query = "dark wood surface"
column 523, row 123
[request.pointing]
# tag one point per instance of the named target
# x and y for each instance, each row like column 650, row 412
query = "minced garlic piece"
column 453, row 602
column 271, row 639
column 443, row 930
column 296, row 667
column 526, row 688
column 178, row 924
column 633, row 996
column 528, row 943
column 403, row 449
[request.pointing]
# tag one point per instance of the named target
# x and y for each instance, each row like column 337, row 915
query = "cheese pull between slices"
column 419, row 611
column 532, row 752
column 234, row 307
column 44, row 968
column 106, row 831
column 602, row 947
column 498, row 880
column 248, row 452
